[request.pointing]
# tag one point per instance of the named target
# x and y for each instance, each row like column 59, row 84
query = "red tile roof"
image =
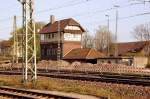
column 124, row 48
column 83, row 54
column 52, row 28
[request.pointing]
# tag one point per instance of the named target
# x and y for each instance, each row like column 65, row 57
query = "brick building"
column 60, row 37
column 133, row 48
column 129, row 53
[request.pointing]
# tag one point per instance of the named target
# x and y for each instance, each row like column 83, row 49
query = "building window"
column 52, row 52
column 42, row 51
column 53, row 35
column 47, row 52
column 49, row 36
column 42, row 36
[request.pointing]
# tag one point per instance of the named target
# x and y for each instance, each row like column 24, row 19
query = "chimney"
column 52, row 19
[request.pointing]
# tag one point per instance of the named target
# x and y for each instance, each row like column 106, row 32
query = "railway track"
column 16, row 93
column 97, row 77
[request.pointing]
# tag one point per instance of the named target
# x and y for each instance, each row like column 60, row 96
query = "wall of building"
column 72, row 37
column 49, row 51
column 111, row 61
column 51, row 37
column 136, row 61
column 124, row 61
column 140, row 61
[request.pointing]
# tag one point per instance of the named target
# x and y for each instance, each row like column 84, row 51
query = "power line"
column 108, row 9
column 64, row 6
column 100, row 11
column 121, row 18
column 140, row 14
column 47, row 10
column 81, row 14
column 10, row 18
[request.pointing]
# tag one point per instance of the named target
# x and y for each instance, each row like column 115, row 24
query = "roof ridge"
column 49, row 28
column 88, row 52
column 64, row 19
column 68, row 52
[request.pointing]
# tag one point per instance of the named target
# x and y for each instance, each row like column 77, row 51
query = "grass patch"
column 114, row 91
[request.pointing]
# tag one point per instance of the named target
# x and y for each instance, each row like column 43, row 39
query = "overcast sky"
column 89, row 13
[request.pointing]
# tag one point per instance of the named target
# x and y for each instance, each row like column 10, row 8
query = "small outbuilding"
column 83, row 55
column 116, row 60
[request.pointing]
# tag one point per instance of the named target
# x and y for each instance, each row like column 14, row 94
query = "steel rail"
column 18, row 93
column 112, row 78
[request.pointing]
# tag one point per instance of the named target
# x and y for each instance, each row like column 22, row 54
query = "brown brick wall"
column 68, row 46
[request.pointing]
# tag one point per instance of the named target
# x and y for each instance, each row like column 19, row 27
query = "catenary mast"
column 28, row 41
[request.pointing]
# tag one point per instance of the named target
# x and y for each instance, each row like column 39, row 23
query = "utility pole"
column 108, row 36
column 22, row 39
column 116, row 32
column 59, row 41
column 28, row 41
column 15, row 42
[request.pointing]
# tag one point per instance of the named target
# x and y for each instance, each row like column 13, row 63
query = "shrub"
column 76, row 63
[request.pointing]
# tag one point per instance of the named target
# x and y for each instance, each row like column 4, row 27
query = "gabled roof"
column 52, row 28
column 83, row 54
column 124, row 48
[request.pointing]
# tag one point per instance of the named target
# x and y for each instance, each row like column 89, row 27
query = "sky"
column 89, row 13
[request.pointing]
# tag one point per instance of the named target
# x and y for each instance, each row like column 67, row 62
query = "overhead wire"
column 121, row 18
column 82, row 14
column 63, row 6
column 100, row 11
column 73, row 4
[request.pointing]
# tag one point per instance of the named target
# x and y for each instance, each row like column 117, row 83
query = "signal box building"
column 59, row 37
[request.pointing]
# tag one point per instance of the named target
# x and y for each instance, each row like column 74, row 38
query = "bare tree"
column 87, row 40
column 142, row 33
column 103, row 39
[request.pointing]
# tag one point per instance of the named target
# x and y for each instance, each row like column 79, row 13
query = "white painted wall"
column 140, row 61
column 42, row 37
column 72, row 28
column 49, row 37
column 72, row 37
